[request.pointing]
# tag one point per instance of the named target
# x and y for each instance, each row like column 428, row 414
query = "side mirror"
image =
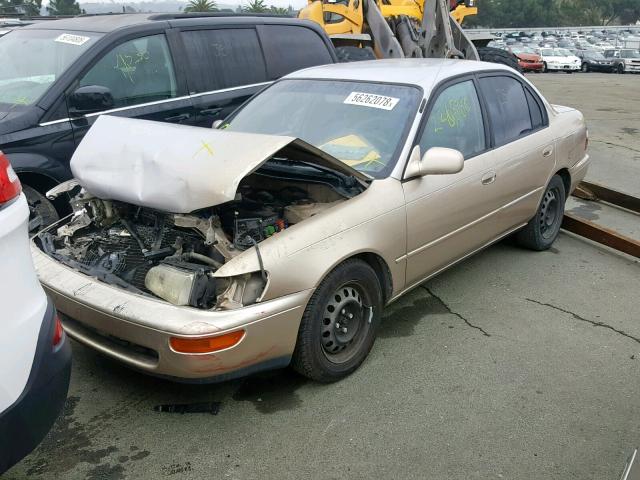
column 90, row 99
column 216, row 124
column 436, row 161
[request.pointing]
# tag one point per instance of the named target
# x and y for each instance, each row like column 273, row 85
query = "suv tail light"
column 10, row 186
column 58, row 332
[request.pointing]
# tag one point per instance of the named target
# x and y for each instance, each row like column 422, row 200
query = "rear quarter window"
column 288, row 48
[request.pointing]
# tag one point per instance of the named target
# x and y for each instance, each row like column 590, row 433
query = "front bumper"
column 136, row 329
column 564, row 67
column 25, row 423
column 531, row 66
column 630, row 68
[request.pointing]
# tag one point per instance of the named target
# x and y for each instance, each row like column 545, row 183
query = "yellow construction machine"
column 362, row 29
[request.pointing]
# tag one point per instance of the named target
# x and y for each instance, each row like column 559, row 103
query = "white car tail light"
column 10, row 186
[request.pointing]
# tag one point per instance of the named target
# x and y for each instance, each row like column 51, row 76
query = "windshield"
column 564, row 52
column 33, row 59
column 629, row 54
column 549, row 53
column 517, row 50
column 361, row 124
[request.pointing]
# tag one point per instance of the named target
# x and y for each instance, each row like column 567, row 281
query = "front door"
column 141, row 76
column 447, row 214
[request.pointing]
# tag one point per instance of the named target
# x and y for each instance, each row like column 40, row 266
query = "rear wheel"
column 339, row 325
column 496, row 55
column 542, row 230
column 42, row 213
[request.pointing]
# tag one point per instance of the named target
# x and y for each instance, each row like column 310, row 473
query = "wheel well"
column 382, row 272
column 43, row 183
column 566, row 180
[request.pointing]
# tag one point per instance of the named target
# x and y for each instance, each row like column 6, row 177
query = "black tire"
column 585, row 67
column 542, row 230
column 545, row 69
column 42, row 213
column 496, row 55
column 351, row 293
column 354, row 54
column 620, row 69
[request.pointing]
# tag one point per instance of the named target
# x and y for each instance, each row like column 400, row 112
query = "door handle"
column 210, row 111
column 547, row 152
column 488, row 178
column 178, row 118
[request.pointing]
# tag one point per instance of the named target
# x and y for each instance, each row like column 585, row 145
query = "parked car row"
column 561, row 59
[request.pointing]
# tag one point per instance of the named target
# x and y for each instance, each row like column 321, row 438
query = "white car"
column 35, row 355
column 559, row 60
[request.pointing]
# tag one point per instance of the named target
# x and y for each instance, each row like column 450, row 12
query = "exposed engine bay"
column 174, row 256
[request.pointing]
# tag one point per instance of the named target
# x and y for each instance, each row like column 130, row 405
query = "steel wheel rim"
column 346, row 322
column 549, row 213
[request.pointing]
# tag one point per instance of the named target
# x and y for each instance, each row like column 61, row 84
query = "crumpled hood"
column 176, row 168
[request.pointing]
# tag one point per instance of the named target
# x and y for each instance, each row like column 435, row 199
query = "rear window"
column 223, row 58
column 290, row 48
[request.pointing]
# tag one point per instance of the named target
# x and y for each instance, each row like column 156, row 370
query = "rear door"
column 143, row 79
column 523, row 155
column 225, row 66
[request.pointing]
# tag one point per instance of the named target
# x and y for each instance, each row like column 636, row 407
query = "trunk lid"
column 177, row 168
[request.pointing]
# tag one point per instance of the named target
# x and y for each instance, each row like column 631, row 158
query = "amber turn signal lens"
column 206, row 344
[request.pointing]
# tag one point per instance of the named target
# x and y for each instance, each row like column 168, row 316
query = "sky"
column 276, row 3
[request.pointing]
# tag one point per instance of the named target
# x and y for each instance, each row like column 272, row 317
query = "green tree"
column 255, row 6
column 26, row 7
column 201, row 6
column 278, row 10
column 63, row 7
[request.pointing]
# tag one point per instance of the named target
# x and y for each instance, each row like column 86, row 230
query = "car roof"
column 109, row 22
column 422, row 72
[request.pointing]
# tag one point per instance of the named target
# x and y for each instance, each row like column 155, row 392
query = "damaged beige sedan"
column 205, row 254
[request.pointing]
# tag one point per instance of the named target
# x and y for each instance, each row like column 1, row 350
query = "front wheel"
column 545, row 69
column 585, row 67
column 620, row 69
column 339, row 325
column 542, row 230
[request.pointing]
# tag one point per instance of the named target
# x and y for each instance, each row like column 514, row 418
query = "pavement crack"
column 615, row 145
column 448, row 309
column 586, row 320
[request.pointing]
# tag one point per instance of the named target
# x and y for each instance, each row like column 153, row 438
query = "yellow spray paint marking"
column 205, row 147
column 127, row 64
column 21, row 101
column 453, row 113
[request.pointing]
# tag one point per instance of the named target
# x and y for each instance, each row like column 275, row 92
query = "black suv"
column 57, row 77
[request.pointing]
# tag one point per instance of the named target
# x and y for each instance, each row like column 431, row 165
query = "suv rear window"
column 223, row 58
column 289, row 48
